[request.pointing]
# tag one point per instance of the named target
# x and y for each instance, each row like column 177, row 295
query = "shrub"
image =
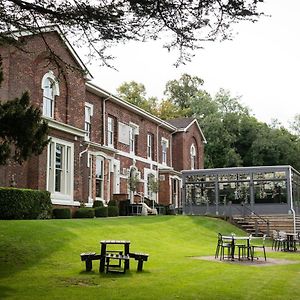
column 98, row 203
column 113, row 211
column 101, row 212
column 24, row 204
column 61, row 213
column 84, row 213
column 113, row 203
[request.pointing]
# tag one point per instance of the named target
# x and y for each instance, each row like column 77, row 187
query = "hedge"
column 84, row 213
column 113, row 211
column 61, row 213
column 26, row 204
column 97, row 203
column 101, row 212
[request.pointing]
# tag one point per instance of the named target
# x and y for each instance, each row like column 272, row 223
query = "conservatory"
column 231, row 191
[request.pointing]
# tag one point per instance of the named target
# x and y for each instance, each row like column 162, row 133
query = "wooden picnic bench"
column 140, row 257
column 88, row 258
column 112, row 266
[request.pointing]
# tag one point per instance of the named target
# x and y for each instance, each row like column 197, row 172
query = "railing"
column 266, row 221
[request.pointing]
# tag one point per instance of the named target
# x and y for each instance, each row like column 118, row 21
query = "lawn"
column 41, row 260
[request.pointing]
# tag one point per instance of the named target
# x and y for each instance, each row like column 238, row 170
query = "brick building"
column 101, row 146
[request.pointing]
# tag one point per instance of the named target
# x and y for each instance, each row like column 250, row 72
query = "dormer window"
column 50, row 90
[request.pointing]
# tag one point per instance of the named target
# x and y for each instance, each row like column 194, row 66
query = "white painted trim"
column 56, row 197
column 102, row 93
column 64, row 127
column 91, row 106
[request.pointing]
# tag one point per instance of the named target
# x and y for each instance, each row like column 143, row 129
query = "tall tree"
column 182, row 92
column 22, row 131
column 135, row 93
column 189, row 22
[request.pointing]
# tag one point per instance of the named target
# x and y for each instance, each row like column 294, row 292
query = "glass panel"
column 58, row 167
column 270, row 192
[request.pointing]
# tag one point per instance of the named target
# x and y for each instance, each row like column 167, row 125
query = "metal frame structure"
column 231, row 191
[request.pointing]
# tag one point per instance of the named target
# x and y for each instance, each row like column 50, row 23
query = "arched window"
column 193, row 157
column 50, row 90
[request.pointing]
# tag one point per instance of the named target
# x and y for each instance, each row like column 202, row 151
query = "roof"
column 93, row 88
column 55, row 28
column 183, row 124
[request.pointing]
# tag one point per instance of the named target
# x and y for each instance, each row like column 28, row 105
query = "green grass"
column 40, row 260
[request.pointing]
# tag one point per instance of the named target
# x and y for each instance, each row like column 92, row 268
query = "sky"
column 261, row 64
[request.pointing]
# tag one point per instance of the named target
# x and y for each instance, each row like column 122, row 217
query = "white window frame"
column 65, row 194
column 88, row 113
column 110, row 131
column 100, row 179
column 150, row 138
column 133, row 131
column 50, row 89
column 193, row 156
column 164, row 150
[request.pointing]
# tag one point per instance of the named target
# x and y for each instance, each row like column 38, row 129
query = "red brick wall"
column 182, row 142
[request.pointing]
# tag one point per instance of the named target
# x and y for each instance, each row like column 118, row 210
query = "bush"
column 97, row 203
column 61, row 213
column 84, row 213
column 101, row 212
column 113, row 211
column 24, row 204
column 113, row 203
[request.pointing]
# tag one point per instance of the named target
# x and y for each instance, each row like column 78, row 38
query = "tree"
column 184, row 24
column 22, row 132
column 135, row 93
column 295, row 125
column 182, row 92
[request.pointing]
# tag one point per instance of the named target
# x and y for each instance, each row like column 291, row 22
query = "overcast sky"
column 261, row 64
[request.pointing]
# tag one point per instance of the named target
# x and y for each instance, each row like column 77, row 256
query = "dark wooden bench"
column 88, row 258
column 111, row 266
column 140, row 257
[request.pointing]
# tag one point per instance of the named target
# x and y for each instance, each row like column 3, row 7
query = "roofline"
column 21, row 33
column 191, row 123
column 239, row 169
column 101, row 92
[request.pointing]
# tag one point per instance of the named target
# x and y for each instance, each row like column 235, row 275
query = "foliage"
column 112, row 203
column 101, row 212
column 97, row 203
column 24, row 204
column 188, row 23
column 133, row 182
column 61, row 213
column 39, row 256
column 22, row 131
column 234, row 137
column 182, row 92
column 135, row 93
column 153, row 184
column 113, row 211
column 295, row 125
column 84, row 213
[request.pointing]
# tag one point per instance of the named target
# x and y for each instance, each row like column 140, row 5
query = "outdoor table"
column 104, row 249
column 290, row 242
column 235, row 238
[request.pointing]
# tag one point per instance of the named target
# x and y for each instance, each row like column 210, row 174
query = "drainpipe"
column 291, row 197
column 85, row 150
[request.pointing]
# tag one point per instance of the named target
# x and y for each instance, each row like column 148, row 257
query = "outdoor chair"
column 242, row 249
column 257, row 243
column 282, row 240
column 275, row 239
column 221, row 246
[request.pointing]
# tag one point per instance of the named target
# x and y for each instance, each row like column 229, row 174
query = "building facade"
column 101, row 147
